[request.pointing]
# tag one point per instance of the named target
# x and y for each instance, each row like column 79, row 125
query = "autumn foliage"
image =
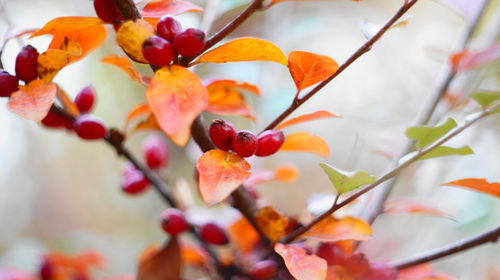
column 261, row 242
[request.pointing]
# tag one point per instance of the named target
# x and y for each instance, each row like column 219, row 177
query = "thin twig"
column 457, row 247
column 362, row 50
column 376, row 205
column 391, row 174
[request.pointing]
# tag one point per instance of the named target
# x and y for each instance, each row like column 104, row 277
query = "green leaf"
column 486, row 98
column 447, row 151
column 426, row 135
column 346, row 181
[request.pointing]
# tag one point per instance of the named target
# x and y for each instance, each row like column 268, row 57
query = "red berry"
column 332, row 253
column 221, row 133
column 213, row 234
column 381, row 271
column 168, row 27
column 26, row 63
column 155, row 151
column 357, row 265
column 46, row 270
column 263, row 270
column 8, row 84
column 158, row 51
column 107, row 11
column 85, row 99
column 54, row 120
column 270, row 142
column 173, row 221
column 190, row 42
column 133, row 180
column 89, row 127
column 244, row 143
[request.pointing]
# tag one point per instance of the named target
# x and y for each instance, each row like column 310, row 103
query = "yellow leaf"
column 271, row 223
column 130, row 37
column 332, row 230
column 176, row 97
column 244, row 49
column 305, row 142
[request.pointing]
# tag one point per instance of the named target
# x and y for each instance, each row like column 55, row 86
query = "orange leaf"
column 89, row 39
column 243, row 235
column 227, row 101
column 126, row 65
column 244, row 49
column 286, row 173
column 477, row 184
column 301, row 265
column 34, row 100
column 192, row 255
column 234, row 84
column 150, row 123
column 159, row 8
column 136, row 112
column 67, row 25
column 176, row 97
column 221, row 173
column 271, row 223
column 321, row 114
column 305, row 142
column 308, row 68
column 348, row 228
column 162, row 263
column 53, row 60
column 130, row 37
column 398, row 206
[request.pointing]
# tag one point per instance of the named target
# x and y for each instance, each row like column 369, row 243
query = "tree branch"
column 376, row 205
column 301, row 230
column 362, row 50
column 457, row 247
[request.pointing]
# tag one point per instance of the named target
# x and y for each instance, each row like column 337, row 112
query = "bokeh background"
column 58, row 193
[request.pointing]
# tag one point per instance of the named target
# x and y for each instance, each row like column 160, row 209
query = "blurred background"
column 58, row 193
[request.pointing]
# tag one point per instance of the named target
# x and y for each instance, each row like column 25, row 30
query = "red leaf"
column 221, row 173
column 162, row 263
column 33, row 101
column 321, row 114
column 159, row 8
column 477, row 184
column 301, row 265
column 176, row 97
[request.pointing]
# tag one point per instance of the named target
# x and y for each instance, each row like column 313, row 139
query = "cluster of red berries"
column 173, row 222
column 357, row 265
column 171, row 40
column 156, row 155
column 244, row 142
column 26, row 70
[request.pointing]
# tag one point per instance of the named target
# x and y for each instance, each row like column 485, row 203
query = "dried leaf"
column 162, row 263
column 160, row 8
column 477, row 184
column 399, row 206
column 244, row 49
column 176, row 97
column 221, row 173
column 243, row 235
column 321, row 114
column 34, row 100
column 130, row 37
column 308, row 68
column 305, row 142
column 271, row 223
column 344, row 181
column 332, row 230
column 426, row 135
column 126, row 65
column 301, row 265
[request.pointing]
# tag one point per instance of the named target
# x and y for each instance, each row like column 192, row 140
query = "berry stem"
column 457, row 247
column 357, row 54
column 391, row 174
